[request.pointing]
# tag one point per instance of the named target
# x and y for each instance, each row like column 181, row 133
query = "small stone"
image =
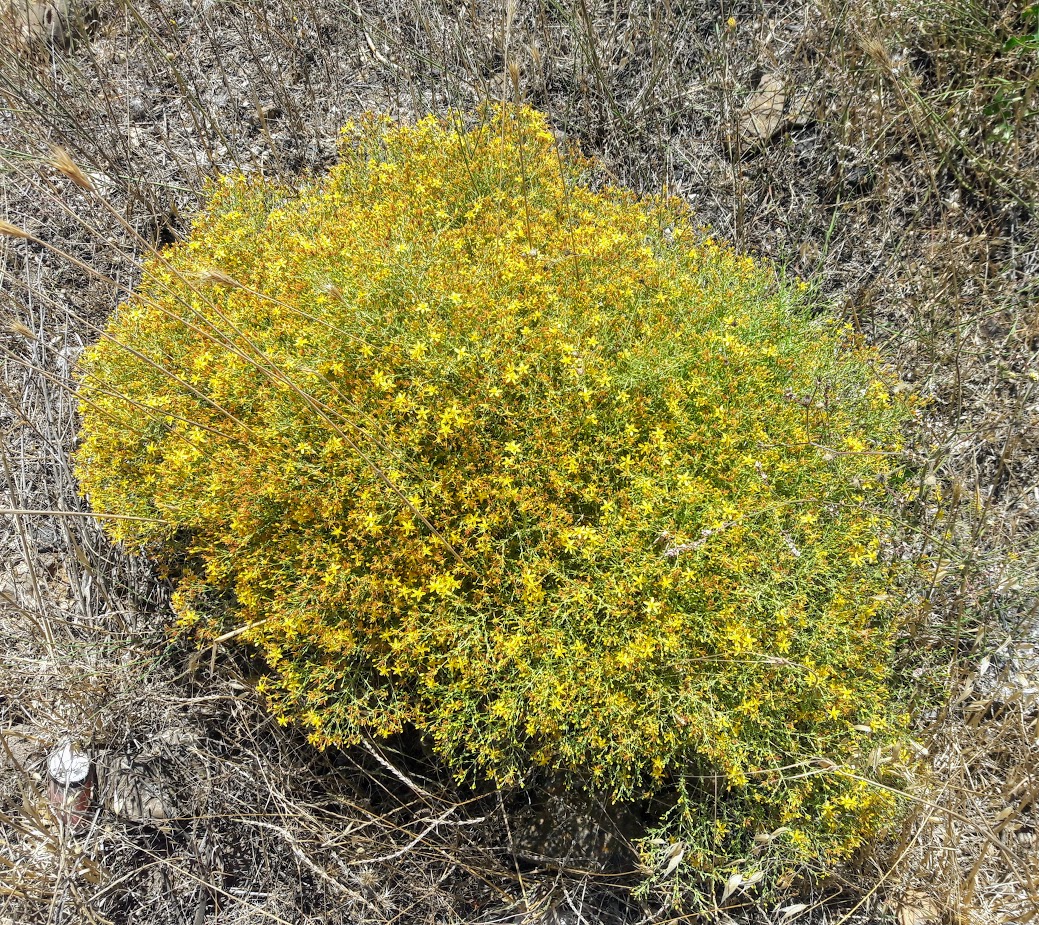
column 19, row 750
column 762, row 114
column 40, row 22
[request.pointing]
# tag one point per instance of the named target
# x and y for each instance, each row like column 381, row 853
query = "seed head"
column 213, row 277
column 15, row 325
column 8, row 230
column 63, row 163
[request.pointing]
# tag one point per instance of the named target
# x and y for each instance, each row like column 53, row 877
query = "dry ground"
column 886, row 151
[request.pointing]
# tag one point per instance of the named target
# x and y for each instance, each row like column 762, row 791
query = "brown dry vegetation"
column 886, row 150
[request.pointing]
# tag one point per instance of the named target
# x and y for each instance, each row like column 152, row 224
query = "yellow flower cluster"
column 473, row 444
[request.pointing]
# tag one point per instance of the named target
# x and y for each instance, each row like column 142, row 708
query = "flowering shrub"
column 467, row 444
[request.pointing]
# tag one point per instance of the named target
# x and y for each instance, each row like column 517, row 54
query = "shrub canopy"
column 536, row 467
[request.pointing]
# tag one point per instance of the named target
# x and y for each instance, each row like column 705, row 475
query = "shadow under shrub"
column 538, row 469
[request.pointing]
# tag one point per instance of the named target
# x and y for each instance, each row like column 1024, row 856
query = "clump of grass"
column 462, row 443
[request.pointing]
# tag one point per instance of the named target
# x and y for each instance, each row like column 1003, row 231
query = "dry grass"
column 902, row 178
